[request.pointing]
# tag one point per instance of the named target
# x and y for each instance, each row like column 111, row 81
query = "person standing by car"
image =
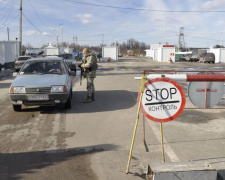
column 90, row 66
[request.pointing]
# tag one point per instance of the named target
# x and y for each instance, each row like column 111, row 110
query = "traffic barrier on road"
column 161, row 87
column 184, row 171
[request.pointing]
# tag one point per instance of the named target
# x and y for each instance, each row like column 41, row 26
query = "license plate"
column 39, row 97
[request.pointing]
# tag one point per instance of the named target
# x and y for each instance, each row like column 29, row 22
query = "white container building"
column 161, row 53
column 9, row 51
column 219, row 54
column 110, row 53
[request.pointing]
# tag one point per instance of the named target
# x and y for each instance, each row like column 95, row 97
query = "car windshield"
column 204, row 54
column 23, row 58
column 43, row 67
column 210, row 54
column 194, row 52
column 67, row 56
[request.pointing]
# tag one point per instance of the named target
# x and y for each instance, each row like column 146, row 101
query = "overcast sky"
column 97, row 21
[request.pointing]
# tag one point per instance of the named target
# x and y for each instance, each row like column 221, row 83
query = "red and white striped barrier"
column 187, row 77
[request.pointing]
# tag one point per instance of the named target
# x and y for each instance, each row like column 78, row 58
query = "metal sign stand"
column 162, row 144
column 137, row 120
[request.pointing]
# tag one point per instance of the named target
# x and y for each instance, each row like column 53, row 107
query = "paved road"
column 92, row 141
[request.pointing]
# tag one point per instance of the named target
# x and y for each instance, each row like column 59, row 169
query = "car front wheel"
column 68, row 103
column 17, row 107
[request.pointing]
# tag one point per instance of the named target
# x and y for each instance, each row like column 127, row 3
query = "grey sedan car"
column 20, row 61
column 42, row 82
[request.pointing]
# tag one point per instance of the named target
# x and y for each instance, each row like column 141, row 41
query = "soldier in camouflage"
column 90, row 66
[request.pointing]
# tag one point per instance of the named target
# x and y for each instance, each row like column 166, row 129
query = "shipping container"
column 110, row 53
column 9, row 52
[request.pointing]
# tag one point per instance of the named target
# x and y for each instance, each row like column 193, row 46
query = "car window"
column 204, row 54
column 194, row 52
column 44, row 67
column 211, row 54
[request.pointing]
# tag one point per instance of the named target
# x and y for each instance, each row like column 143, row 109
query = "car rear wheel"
column 17, row 107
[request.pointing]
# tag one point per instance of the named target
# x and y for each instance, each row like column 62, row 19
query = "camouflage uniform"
column 90, row 66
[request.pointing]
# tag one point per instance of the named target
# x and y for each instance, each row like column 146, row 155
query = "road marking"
column 168, row 150
column 62, row 121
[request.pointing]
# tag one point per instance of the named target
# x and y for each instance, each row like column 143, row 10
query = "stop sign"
column 163, row 100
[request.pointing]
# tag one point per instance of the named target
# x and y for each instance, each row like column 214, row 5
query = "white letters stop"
column 163, row 100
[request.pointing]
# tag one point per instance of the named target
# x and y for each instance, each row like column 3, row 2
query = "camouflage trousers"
column 90, row 86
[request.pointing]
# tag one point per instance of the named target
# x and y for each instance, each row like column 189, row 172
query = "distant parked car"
column 70, row 59
column 196, row 53
column 78, row 55
column 207, row 57
column 42, row 81
column 185, row 57
column 20, row 61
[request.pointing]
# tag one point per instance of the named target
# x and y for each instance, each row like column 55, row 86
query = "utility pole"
column 8, row 32
column 62, row 36
column 102, row 40
column 76, row 39
column 57, row 39
column 110, row 39
column 221, row 41
column 20, row 32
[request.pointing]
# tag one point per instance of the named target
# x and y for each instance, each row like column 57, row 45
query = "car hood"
column 45, row 80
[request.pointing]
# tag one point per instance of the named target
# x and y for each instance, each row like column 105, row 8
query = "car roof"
column 48, row 58
column 24, row 56
column 65, row 53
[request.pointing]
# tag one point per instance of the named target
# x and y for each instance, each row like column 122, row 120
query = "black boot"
column 93, row 97
column 88, row 100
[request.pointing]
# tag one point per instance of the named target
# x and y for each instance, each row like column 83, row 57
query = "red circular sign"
column 163, row 100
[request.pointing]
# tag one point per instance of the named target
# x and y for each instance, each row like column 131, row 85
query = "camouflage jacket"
column 90, row 65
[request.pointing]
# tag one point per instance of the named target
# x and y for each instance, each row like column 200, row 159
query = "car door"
column 69, row 77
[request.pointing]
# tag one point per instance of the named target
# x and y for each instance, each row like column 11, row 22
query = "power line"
column 2, row 1
column 11, row 21
column 39, row 17
column 197, row 37
column 6, row 16
column 32, row 23
column 9, row 12
column 4, row 7
column 142, row 9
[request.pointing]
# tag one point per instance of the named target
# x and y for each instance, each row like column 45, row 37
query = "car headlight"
column 58, row 89
column 17, row 90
